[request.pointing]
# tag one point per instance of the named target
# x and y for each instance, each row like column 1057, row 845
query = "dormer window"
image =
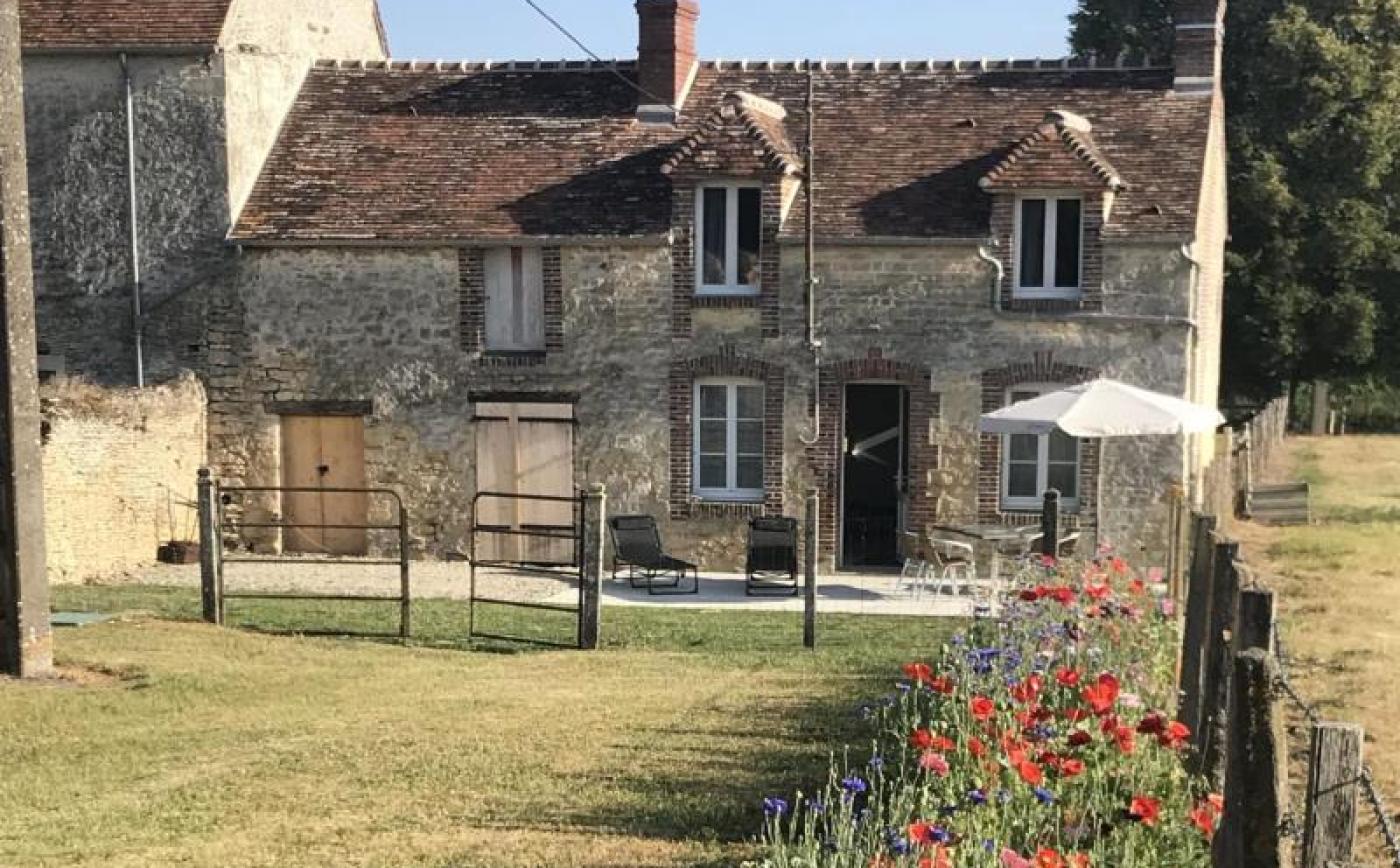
column 1049, row 246
column 727, row 242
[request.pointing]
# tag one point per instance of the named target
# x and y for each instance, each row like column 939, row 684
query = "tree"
column 1313, row 95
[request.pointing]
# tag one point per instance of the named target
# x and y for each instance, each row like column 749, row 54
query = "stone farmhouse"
column 530, row 276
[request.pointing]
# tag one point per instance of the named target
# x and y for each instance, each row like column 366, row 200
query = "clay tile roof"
column 88, row 24
column 446, row 153
column 762, row 119
column 1040, row 159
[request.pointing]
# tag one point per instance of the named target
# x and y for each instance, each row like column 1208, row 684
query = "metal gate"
column 510, row 550
column 223, row 515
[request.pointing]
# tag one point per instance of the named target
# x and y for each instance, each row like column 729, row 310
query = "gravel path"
column 427, row 579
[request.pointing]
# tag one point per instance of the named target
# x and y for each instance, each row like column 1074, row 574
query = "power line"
column 612, row 67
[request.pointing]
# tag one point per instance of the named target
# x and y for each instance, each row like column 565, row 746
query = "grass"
column 1339, row 586
column 186, row 744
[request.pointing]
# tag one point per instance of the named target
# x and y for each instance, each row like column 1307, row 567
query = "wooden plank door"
column 525, row 449
column 324, row 452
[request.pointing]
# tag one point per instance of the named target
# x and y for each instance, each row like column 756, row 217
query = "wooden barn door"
column 525, row 448
column 322, row 452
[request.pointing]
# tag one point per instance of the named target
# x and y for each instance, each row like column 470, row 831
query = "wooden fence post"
column 1334, row 784
column 811, row 551
column 1050, row 524
column 1220, row 651
column 207, row 500
column 1198, row 597
column 595, row 511
column 1256, row 786
column 1256, row 622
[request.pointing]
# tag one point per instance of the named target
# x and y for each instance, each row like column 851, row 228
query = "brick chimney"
column 1200, row 44
column 665, row 56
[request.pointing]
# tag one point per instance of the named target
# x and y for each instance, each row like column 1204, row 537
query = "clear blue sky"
column 736, row 29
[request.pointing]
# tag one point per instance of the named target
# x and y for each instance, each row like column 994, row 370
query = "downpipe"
column 138, row 313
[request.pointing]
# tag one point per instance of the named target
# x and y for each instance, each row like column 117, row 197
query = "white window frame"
column 731, row 492
column 1042, row 464
column 731, row 286
column 1052, row 219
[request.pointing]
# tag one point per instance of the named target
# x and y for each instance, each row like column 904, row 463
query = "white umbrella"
column 1103, row 408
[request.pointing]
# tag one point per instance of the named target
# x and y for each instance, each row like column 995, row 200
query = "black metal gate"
column 222, row 516
column 547, row 551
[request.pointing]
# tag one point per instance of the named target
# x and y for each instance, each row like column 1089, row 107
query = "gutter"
column 984, row 253
column 137, row 313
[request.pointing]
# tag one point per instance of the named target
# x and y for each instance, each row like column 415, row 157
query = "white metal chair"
column 955, row 561
column 915, row 572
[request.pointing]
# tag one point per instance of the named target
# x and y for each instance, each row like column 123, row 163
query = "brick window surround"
column 471, row 299
column 825, row 456
column 683, row 253
column 684, row 373
column 1004, row 206
column 1041, row 369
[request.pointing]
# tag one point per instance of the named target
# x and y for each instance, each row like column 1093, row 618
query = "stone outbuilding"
column 465, row 277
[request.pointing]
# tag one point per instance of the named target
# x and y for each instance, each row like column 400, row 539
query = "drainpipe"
column 814, row 343
column 137, row 313
column 984, row 253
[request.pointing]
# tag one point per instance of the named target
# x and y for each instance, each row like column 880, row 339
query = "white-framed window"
column 728, row 447
column 728, row 219
column 515, row 299
column 1049, row 246
column 1032, row 465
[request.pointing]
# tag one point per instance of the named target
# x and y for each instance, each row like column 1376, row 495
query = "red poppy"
column 1067, row 677
column 1027, row 690
column 1123, row 735
column 921, row 739
column 976, row 747
column 1030, row 596
column 982, row 707
column 1074, row 715
column 1071, row 767
column 920, row 672
column 1079, row 738
column 1030, row 773
column 1174, row 735
column 1203, row 818
column 1063, row 596
column 1145, row 810
column 1119, row 566
column 939, row 859
column 941, row 685
column 1102, row 696
column 1152, row 724
column 922, row 833
column 1097, row 592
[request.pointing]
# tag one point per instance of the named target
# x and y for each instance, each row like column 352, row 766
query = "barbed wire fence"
column 1369, row 790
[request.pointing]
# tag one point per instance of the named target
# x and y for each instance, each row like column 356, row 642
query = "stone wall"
column 119, row 474
column 382, row 326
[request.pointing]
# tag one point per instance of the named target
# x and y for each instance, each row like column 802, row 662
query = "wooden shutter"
column 525, row 448
column 515, row 299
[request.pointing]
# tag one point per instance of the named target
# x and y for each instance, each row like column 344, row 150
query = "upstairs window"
column 1049, row 247
column 727, row 239
column 1032, row 465
column 729, row 440
column 514, row 300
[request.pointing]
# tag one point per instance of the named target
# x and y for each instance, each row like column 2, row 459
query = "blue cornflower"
column 977, row 797
column 774, row 807
column 989, row 845
column 1044, row 796
column 854, row 784
column 816, row 806
column 876, row 763
column 896, row 842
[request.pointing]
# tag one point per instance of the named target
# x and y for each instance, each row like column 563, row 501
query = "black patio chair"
column 637, row 549
column 772, row 557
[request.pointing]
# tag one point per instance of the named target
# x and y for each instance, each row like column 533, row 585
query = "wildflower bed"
column 1037, row 739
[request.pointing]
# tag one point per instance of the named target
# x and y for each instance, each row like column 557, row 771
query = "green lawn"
column 191, row 745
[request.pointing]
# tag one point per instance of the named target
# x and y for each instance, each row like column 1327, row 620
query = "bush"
column 1037, row 739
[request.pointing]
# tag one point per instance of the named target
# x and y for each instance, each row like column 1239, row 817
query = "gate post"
column 595, row 511
column 811, row 551
column 209, row 585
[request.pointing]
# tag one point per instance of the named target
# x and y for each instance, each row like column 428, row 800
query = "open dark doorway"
column 875, row 458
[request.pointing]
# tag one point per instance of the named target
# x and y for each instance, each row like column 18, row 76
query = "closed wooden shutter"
column 525, row 449
column 515, row 299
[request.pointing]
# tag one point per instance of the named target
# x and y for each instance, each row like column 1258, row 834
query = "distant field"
column 189, row 745
column 1339, row 584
